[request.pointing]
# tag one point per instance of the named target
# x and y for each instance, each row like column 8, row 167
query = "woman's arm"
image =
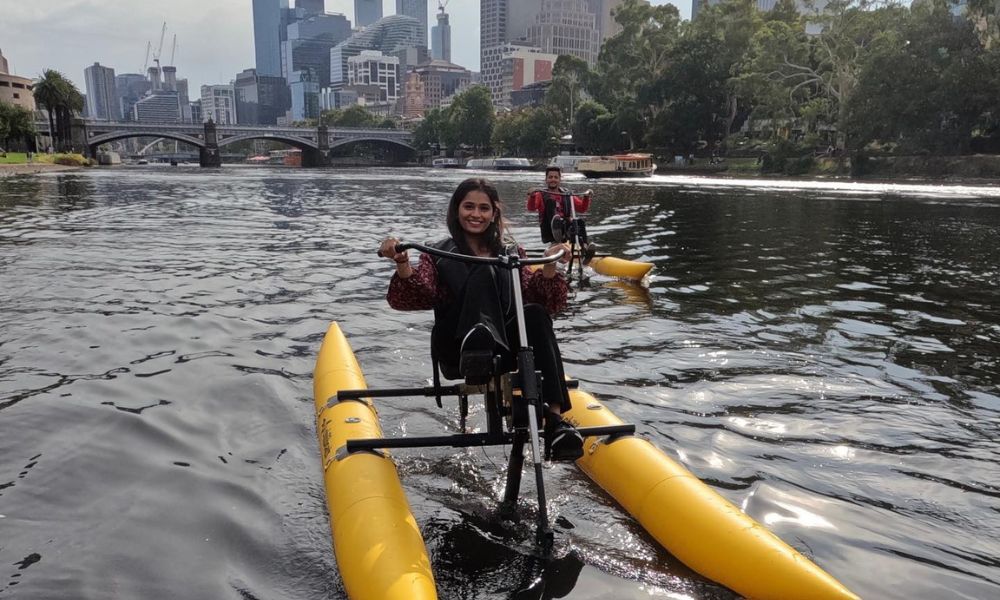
column 419, row 290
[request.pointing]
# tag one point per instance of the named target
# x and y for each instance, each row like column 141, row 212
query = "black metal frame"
column 521, row 412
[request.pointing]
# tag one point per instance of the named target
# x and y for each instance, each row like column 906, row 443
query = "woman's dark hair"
column 494, row 233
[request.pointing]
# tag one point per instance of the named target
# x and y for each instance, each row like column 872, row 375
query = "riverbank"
column 971, row 168
column 32, row 169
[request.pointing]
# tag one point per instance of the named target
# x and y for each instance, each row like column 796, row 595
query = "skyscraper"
column 566, row 27
column 218, row 102
column 309, row 43
column 102, row 101
column 418, row 10
column 393, row 36
column 129, row 88
column 501, row 22
column 367, row 12
column 606, row 24
column 270, row 21
column 441, row 37
column 309, row 8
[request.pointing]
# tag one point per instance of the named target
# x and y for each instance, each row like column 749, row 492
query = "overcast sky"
column 214, row 37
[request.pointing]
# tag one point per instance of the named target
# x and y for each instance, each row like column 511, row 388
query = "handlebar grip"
column 399, row 248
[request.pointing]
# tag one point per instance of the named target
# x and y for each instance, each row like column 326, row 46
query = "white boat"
column 499, row 164
column 446, row 163
column 619, row 165
column 568, row 162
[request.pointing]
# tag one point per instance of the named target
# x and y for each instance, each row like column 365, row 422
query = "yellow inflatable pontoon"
column 381, row 554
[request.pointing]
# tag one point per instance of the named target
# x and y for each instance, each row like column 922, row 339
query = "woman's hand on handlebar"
column 388, row 250
column 402, row 259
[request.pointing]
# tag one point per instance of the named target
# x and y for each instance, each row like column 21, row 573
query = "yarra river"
column 823, row 354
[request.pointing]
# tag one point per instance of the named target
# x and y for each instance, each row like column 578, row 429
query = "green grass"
column 14, row 158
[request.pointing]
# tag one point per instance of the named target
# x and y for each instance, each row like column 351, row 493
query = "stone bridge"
column 208, row 137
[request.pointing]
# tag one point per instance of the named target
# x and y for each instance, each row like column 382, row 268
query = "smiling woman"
column 473, row 306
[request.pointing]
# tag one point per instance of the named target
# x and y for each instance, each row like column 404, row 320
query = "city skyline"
column 207, row 53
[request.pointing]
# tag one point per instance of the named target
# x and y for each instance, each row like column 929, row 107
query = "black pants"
column 484, row 302
column 545, row 222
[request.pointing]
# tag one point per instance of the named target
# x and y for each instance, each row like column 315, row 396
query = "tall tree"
column 926, row 86
column 631, row 63
column 829, row 64
column 570, row 76
column 61, row 99
column 471, row 119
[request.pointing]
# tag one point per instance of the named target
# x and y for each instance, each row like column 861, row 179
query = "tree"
column 61, row 99
column 595, row 129
column 632, row 62
column 829, row 64
column 926, row 86
column 570, row 75
column 352, row 116
column 430, row 133
column 16, row 123
column 471, row 119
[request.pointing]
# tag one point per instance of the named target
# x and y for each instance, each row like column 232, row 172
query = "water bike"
column 380, row 551
column 570, row 230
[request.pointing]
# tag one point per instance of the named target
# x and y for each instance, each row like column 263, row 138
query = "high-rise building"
column 270, row 24
column 437, row 80
column 521, row 66
column 501, row 22
column 418, row 10
column 157, row 106
column 305, row 92
column 603, row 10
column 441, row 37
column 184, row 101
column 367, row 12
column 395, row 35
column 218, row 102
column 4, row 67
column 310, row 8
column 372, row 68
column 566, row 27
column 129, row 88
column 260, row 99
column 196, row 111
column 101, row 96
column 309, row 43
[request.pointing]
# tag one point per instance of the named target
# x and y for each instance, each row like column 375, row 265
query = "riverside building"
column 102, row 98
column 13, row 89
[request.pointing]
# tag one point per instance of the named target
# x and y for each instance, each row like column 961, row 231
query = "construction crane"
column 443, row 5
column 173, row 49
column 159, row 49
column 145, row 62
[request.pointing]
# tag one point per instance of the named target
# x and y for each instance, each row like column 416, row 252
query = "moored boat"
column 381, row 553
column 619, row 165
column 446, row 163
column 568, row 162
column 499, row 164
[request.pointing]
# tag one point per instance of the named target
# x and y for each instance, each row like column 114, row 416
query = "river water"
column 822, row 354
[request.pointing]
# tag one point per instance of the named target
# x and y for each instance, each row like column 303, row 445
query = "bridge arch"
column 384, row 140
column 104, row 138
column 297, row 142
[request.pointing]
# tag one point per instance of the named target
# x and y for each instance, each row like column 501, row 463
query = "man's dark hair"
column 553, row 168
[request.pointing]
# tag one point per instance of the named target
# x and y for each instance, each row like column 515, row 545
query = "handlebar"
column 506, row 261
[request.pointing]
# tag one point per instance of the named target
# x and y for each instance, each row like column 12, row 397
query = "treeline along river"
column 822, row 354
